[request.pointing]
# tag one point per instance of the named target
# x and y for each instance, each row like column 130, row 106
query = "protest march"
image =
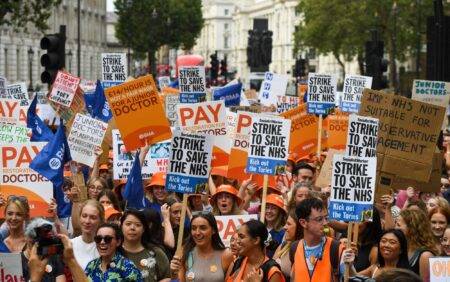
column 172, row 178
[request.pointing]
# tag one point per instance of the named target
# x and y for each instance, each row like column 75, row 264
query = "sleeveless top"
column 206, row 270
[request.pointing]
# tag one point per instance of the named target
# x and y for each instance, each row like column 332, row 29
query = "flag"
column 64, row 205
column 174, row 84
column 101, row 109
column 40, row 131
column 231, row 94
column 89, row 101
column 133, row 192
column 50, row 161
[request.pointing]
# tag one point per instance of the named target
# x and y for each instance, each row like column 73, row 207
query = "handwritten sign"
column 321, row 93
column 432, row 92
column 11, row 267
column 19, row 92
column 14, row 134
column 353, row 89
column 64, row 88
column 286, row 103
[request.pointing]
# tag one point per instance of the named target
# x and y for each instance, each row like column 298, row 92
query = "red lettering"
column 185, row 113
column 8, row 153
column 243, row 121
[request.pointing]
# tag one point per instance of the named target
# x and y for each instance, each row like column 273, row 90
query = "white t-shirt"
column 84, row 252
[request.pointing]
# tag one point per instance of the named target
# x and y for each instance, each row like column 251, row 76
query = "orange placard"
column 303, row 139
column 237, row 162
column 336, row 126
column 138, row 112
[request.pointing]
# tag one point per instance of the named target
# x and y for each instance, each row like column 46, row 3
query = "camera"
column 48, row 243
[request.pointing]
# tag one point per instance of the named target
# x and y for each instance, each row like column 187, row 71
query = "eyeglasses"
column 98, row 239
column 320, row 219
column 22, row 199
column 445, row 186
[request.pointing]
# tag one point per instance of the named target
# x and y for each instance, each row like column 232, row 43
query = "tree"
column 18, row 13
column 146, row 25
column 341, row 27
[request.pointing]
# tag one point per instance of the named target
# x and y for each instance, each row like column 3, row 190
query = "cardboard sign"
column 64, row 88
column 352, row 188
column 207, row 118
column 439, row 269
column 407, row 135
column 170, row 104
column 352, row 92
column 237, row 162
column 326, row 171
column 190, row 163
column 114, row 69
column 10, row 111
column 156, row 159
column 19, row 92
column 321, row 93
column 303, row 137
column 14, row 134
column 336, row 126
column 362, row 136
column 286, row 103
column 68, row 113
column 273, row 85
column 269, row 145
column 163, row 82
column 192, row 84
column 86, row 134
column 11, row 267
column 432, row 92
column 16, row 178
column 138, row 112
column 229, row 224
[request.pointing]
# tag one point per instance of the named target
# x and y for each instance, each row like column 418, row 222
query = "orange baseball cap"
column 103, row 167
column 110, row 212
column 225, row 188
column 158, row 179
column 276, row 200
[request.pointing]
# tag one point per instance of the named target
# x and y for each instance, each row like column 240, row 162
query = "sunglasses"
column 22, row 199
column 98, row 239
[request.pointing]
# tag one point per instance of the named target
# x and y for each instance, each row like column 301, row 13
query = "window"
column 225, row 26
column 18, row 61
column 226, row 43
column 226, row 11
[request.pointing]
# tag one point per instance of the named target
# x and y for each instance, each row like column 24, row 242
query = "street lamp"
column 30, row 60
column 69, row 55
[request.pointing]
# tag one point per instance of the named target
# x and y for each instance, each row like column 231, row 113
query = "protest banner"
column 321, row 93
column 10, row 111
column 156, row 159
column 192, row 84
column 335, row 126
column 286, row 103
column 230, row 93
column 326, row 171
column 407, row 135
column 362, row 136
column 64, row 88
column 229, row 224
column 11, row 267
column 3, row 83
column 10, row 133
column 189, row 163
column 269, row 145
column 352, row 188
column 170, row 105
column 16, row 178
column 207, row 118
column 352, row 92
column 138, row 112
column 439, row 269
column 19, row 92
column 231, row 124
column 432, row 92
column 273, row 85
column 114, row 69
column 304, row 127
column 68, row 113
column 237, row 161
column 163, row 82
column 86, row 134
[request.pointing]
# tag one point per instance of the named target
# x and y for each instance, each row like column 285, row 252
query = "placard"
column 336, row 126
column 16, row 178
column 114, row 69
column 190, row 163
column 207, row 118
column 352, row 188
column 286, row 103
column 352, row 92
column 228, row 225
column 321, row 93
column 362, row 136
column 432, row 92
column 10, row 133
column 163, row 82
column 237, row 162
column 170, row 104
column 86, row 134
column 156, row 159
column 439, row 269
column 269, row 145
column 231, row 94
column 64, row 88
column 138, row 112
column 274, row 85
column 19, row 92
column 192, row 84
column 326, row 171
column 10, row 111
column 11, row 267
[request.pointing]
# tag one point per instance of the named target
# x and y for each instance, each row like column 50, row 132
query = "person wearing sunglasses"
column 111, row 265
column 148, row 258
column 17, row 214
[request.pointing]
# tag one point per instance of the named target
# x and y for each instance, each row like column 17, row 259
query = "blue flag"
column 100, row 109
column 134, row 189
column 89, row 101
column 40, row 131
column 50, row 161
column 174, row 84
column 64, row 205
column 231, row 94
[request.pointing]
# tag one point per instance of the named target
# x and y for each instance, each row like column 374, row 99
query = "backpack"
column 334, row 255
column 265, row 267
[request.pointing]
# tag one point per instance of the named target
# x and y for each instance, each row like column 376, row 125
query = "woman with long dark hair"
column 148, row 258
column 205, row 257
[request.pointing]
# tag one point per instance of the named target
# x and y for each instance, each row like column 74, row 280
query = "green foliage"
column 176, row 23
column 18, row 13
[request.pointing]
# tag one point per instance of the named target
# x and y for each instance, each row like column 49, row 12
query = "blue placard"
column 349, row 107
column 319, row 108
column 107, row 84
column 231, row 94
column 191, row 98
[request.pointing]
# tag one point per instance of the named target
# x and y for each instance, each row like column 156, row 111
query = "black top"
column 56, row 269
